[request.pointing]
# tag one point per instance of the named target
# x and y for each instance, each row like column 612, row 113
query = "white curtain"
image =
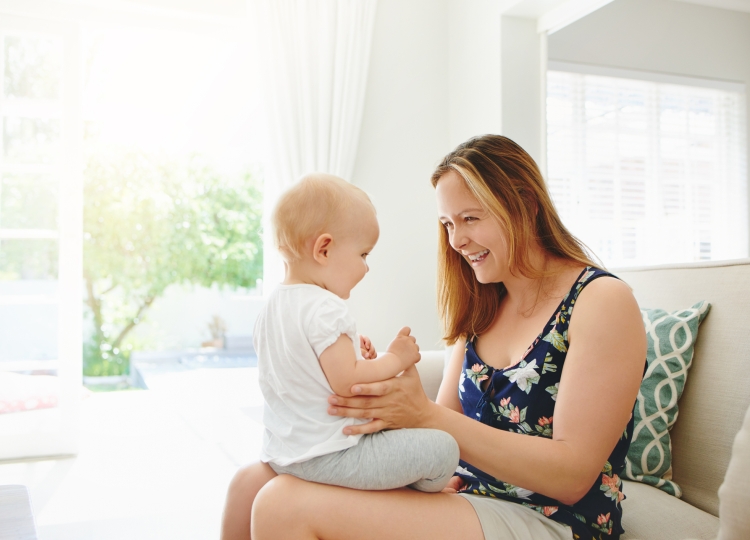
column 315, row 55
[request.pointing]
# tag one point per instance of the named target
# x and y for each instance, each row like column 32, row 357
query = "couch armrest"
column 734, row 497
column 430, row 369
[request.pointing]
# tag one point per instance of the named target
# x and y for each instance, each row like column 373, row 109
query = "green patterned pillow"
column 671, row 337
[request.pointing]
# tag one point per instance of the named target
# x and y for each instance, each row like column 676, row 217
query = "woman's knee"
column 278, row 506
column 251, row 479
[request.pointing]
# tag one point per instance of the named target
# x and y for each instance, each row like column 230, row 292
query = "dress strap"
column 589, row 274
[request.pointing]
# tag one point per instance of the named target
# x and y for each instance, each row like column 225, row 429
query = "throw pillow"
column 671, row 338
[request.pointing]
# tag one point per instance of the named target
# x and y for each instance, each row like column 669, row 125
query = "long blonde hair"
column 507, row 182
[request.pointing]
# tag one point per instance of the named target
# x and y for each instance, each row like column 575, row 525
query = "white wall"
column 473, row 73
column 662, row 36
column 523, row 75
column 404, row 135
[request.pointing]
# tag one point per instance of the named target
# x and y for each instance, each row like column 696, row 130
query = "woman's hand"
column 395, row 403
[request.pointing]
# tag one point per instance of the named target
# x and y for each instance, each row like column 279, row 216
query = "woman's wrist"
column 430, row 416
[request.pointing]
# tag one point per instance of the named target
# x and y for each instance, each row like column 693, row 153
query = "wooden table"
column 16, row 517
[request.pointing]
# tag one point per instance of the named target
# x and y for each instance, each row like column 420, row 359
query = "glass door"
column 40, row 237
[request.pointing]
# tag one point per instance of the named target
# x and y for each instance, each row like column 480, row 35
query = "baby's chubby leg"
column 424, row 459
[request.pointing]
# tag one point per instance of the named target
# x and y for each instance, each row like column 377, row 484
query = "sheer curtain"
column 315, row 61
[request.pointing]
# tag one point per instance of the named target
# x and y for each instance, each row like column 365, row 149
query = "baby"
column 308, row 348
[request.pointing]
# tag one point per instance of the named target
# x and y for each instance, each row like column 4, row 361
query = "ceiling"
column 552, row 15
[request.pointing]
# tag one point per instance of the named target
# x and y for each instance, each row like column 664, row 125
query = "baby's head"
column 324, row 228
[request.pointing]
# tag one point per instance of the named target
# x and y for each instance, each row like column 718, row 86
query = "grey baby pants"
column 423, row 459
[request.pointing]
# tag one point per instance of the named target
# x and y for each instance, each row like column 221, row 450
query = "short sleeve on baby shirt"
column 329, row 321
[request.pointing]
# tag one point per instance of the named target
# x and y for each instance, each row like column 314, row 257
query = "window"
column 39, row 237
column 647, row 168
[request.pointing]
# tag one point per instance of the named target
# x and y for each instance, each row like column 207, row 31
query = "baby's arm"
column 343, row 370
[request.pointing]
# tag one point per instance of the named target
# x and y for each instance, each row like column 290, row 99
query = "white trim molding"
column 567, row 13
column 653, row 76
column 551, row 15
column 733, row 5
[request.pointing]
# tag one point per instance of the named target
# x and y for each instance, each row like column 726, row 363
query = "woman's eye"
column 469, row 219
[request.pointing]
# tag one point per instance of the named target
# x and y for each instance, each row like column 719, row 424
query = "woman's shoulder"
column 604, row 286
column 606, row 301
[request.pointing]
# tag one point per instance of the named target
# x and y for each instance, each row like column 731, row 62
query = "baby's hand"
column 367, row 349
column 405, row 347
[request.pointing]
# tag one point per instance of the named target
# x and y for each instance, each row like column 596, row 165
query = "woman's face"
column 472, row 230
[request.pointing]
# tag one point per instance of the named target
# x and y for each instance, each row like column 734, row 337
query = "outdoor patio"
column 152, row 464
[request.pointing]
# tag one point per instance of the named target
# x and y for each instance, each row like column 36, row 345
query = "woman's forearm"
column 550, row 467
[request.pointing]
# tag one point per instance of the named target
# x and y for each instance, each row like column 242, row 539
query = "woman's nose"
column 457, row 239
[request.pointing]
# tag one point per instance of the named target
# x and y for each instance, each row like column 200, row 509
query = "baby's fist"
column 405, row 347
column 366, row 348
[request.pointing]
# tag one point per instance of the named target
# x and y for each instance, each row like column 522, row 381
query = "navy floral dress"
column 521, row 399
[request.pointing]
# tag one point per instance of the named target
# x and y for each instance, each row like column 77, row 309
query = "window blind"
column 648, row 169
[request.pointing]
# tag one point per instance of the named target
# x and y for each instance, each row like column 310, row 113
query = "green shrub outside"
column 151, row 222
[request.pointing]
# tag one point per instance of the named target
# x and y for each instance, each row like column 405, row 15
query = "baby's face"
column 348, row 257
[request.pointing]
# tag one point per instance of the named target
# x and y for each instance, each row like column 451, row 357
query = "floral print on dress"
column 515, row 415
column 611, row 484
column 557, row 339
column 545, row 510
column 478, row 373
column 524, row 375
column 603, row 524
column 544, row 427
column 522, row 399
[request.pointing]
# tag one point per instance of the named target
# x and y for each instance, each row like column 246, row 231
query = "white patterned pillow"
column 671, row 338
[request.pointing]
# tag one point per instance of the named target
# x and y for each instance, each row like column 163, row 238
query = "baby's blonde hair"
column 317, row 204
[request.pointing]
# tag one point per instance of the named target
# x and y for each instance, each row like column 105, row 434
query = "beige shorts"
column 505, row 520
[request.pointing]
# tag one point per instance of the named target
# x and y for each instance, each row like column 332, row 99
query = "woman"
column 538, row 395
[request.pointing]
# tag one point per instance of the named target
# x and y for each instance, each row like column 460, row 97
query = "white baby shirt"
column 295, row 326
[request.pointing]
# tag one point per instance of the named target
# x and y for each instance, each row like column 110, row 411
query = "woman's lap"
column 293, row 508
column 504, row 520
column 289, row 504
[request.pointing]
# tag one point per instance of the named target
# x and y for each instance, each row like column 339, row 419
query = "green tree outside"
column 150, row 222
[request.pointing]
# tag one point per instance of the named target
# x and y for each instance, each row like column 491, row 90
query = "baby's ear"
column 321, row 248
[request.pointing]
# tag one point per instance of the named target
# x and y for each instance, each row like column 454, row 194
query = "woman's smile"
column 476, row 259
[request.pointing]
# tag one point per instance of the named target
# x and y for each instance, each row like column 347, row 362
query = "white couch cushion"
column 648, row 513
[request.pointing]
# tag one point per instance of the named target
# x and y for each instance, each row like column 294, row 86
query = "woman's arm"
column 448, row 392
column 599, row 384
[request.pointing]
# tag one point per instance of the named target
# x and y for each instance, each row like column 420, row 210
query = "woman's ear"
column 322, row 247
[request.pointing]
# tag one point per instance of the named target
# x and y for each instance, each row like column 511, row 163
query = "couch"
column 711, row 410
